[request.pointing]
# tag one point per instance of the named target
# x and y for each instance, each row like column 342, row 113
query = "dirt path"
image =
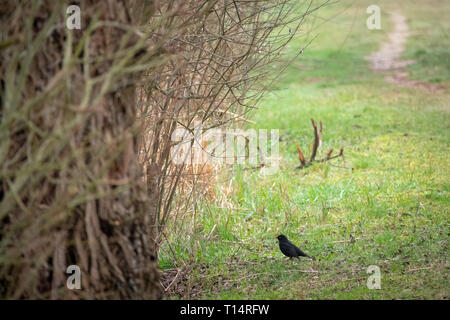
column 388, row 58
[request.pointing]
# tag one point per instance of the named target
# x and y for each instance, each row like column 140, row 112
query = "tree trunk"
column 72, row 190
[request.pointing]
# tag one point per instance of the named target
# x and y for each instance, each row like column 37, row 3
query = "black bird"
column 289, row 249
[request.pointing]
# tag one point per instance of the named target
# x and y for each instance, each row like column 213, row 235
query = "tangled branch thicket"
column 87, row 116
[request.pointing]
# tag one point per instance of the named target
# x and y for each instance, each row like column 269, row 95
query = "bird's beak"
column 276, row 237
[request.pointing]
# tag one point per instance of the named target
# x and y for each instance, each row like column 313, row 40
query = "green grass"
column 429, row 41
column 388, row 207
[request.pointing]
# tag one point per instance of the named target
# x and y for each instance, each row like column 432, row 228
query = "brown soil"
column 388, row 58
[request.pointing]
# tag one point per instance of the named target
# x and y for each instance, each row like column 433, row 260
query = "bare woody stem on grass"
column 317, row 144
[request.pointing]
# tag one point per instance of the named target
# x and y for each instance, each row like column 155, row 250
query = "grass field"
column 388, row 207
